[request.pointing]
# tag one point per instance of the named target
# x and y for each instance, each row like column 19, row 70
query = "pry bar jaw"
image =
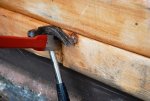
column 55, row 35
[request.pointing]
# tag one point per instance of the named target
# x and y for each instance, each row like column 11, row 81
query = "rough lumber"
column 124, row 70
column 116, row 67
column 16, row 24
column 121, row 23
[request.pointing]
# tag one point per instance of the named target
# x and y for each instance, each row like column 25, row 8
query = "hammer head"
column 56, row 36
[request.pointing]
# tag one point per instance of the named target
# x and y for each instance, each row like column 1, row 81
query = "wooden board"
column 16, row 24
column 121, row 23
column 116, row 67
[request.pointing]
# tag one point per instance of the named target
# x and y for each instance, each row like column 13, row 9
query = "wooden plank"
column 116, row 67
column 124, row 70
column 121, row 23
column 16, row 24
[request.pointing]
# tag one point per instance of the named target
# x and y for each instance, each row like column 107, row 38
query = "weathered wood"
column 16, row 24
column 116, row 67
column 122, row 23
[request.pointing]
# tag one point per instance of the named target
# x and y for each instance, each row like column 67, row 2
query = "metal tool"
column 44, row 38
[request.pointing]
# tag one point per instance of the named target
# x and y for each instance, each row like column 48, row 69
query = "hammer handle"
column 37, row 42
column 62, row 92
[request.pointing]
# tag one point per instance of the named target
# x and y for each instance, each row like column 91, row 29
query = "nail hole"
column 136, row 23
column 4, row 15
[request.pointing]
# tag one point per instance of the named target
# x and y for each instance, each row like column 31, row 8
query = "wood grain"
column 121, row 23
column 116, row 67
column 16, row 24
column 124, row 70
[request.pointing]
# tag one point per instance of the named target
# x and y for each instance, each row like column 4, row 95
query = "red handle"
column 37, row 42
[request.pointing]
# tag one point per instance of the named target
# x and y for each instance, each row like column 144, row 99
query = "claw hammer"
column 44, row 38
